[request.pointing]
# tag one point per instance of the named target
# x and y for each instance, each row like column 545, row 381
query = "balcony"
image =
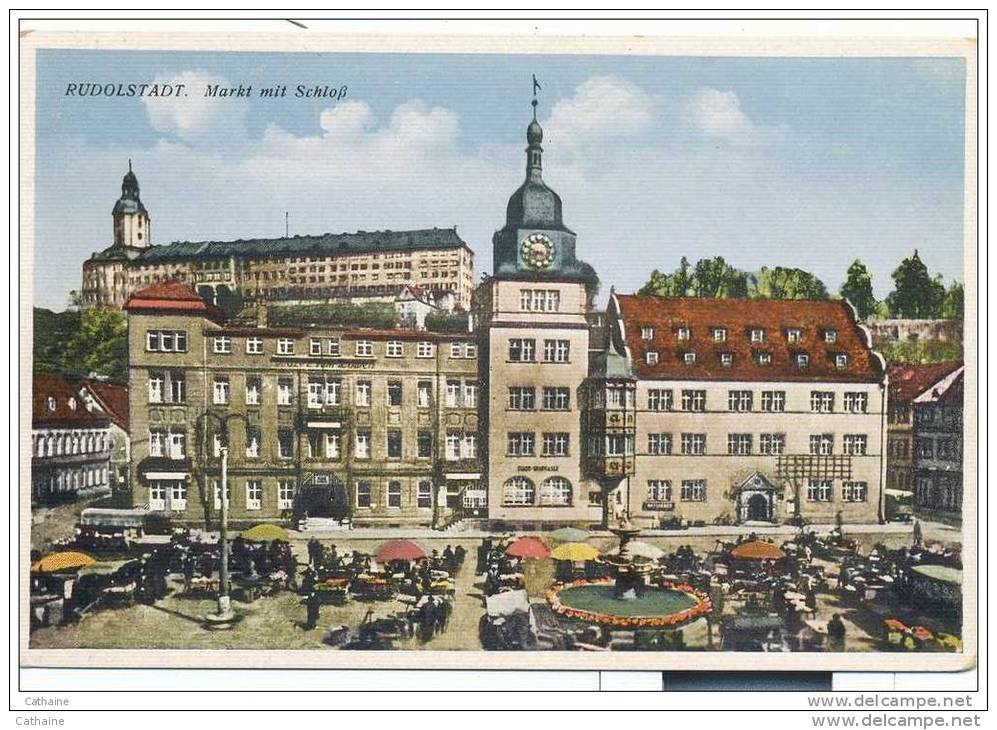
column 610, row 466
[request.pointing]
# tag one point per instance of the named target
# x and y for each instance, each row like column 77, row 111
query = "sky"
column 800, row 162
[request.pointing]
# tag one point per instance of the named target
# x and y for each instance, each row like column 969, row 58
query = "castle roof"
column 168, row 297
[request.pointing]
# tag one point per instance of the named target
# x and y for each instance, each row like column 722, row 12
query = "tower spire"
column 536, row 88
column 534, row 136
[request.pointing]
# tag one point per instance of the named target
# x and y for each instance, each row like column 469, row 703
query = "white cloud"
column 718, row 114
column 603, row 107
column 196, row 118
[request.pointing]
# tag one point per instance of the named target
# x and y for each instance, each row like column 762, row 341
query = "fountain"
column 626, row 599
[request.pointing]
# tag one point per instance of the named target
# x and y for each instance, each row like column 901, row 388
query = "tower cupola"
column 131, row 220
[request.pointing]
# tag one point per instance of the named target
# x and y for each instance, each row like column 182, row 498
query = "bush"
column 445, row 323
column 920, row 352
column 378, row 315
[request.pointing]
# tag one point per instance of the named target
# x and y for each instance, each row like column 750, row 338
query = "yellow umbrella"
column 57, row 562
column 265, row 532
column 574, row 551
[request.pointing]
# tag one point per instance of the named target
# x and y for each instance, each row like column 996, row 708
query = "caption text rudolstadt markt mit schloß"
column 167, row 90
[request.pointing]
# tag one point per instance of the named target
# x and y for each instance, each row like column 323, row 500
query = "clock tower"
column 534, row 347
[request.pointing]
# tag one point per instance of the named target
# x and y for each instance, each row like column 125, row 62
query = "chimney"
column 261, row 315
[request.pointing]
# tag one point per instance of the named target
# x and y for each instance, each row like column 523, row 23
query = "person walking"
column 313, row 611
column 836, row 633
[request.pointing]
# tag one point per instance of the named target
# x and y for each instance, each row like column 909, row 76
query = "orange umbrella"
column 527, row 547
column 757, row 550
column 400, row 550
column 58, row 562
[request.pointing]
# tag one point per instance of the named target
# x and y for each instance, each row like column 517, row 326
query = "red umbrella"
column 757, row 550
column 401, row 550
column 527, row 547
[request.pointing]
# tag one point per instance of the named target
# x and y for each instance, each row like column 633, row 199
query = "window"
column 822, row 444
column 166, row 341
column 739, row 400
column 50, row 403
column 556, row 350
column 659, row 444
column 221, row 391
column 855, row 491
column 425, row 444
column 651, row 358
column 222, row 344
column 315, row 346
column 772, row 444
column 364, row 348
column 647, row 333
column 518, row 491
column 254, row 494
column 522, row 398
column 332, row 445
column 362, row 393
column 689, row 358
column 253, row 387
column 178, row 495
column 821, row 401
column 156, row 381
column 456, row 350
column 470, row 351
column 659, row 399
column 453, row 393
column 802, row 361
column 856, row 444
column 176, row 445
column 726, row 359
column 682, row 333
column 793, row 335
column 285, row 493
column 693, row 490
column 830, row 336
column 841, row 361
column 285, row 346
column 764, row 358
column 218, row 442
column 555, row 444
column 539, row 300
column 363, row 494
column 253, row 438
column 424, row 349
column 217, row 492
column 469, row 446
column 394, row 494
column 254, row 345
column 693, row 400
column 719, row 334
column 694, row 444
column 659, row 490
column 157, row 495
column 285, row 443
column 424, row 495
column 394, row 348
column 424, row 393
column 453, row 446
column 521, row 350
column 394, row 444
column 774, row 401
column 362, row 444
column 819, row 490
column 856, row 402
column 739, row 444
column 285, row 390
column 555, row 492
column 394, row 392
column 757, row 335
column 520, row 443
column 470, row 394
column 556, row 398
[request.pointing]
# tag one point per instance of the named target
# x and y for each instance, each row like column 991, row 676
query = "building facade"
column 70, row 445
column 111, row 400
column 938, row 447
column 378, row 427
column 354, row 266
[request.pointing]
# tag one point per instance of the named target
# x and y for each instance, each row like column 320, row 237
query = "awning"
column 898, row 493
column 166, row 474
column 324, row 424
column 463, row 475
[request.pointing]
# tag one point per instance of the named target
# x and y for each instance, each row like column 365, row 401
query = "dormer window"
column 651, row 358
column 689, row 358
column 841, row 360
column 793, row 335
column 758, row 335
column 802, row 361
column 830, row 336
column 647, row 333
column 719, row 334
column 764, row 358
column 50, row 402
column 72, row 404
column 726, row 359
column 682, row 333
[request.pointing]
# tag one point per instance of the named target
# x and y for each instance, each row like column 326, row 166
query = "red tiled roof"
column 813, row 318
column 58, row 411
column 909, row 381
column 113, row 397
column 171, row 296
column 953, row 394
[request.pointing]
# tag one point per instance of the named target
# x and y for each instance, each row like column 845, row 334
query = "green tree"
column 858, row 289
column 715, row 278
column 916, row 294
column 447, row 323
column 781, row 282
column 677, row 284
column 82, row 342
column 379, row 315
column 954, row 305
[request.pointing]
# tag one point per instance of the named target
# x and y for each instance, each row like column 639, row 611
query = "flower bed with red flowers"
column 701, row 608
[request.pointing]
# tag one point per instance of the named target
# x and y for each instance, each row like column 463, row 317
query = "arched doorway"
column 324, row 495
column 759, row 508
column 755, row 499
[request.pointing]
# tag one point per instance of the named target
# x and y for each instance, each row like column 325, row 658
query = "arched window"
column 555, row 492
column 518, row 491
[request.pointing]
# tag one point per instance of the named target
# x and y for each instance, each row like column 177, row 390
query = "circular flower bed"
column 700, row 606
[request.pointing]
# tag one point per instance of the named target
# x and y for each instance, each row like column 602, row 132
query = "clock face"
column 538, row 251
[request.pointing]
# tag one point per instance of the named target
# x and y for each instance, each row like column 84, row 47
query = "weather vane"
column 536, row 88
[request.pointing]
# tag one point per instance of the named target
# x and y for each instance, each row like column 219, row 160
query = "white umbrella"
column 644, row 550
